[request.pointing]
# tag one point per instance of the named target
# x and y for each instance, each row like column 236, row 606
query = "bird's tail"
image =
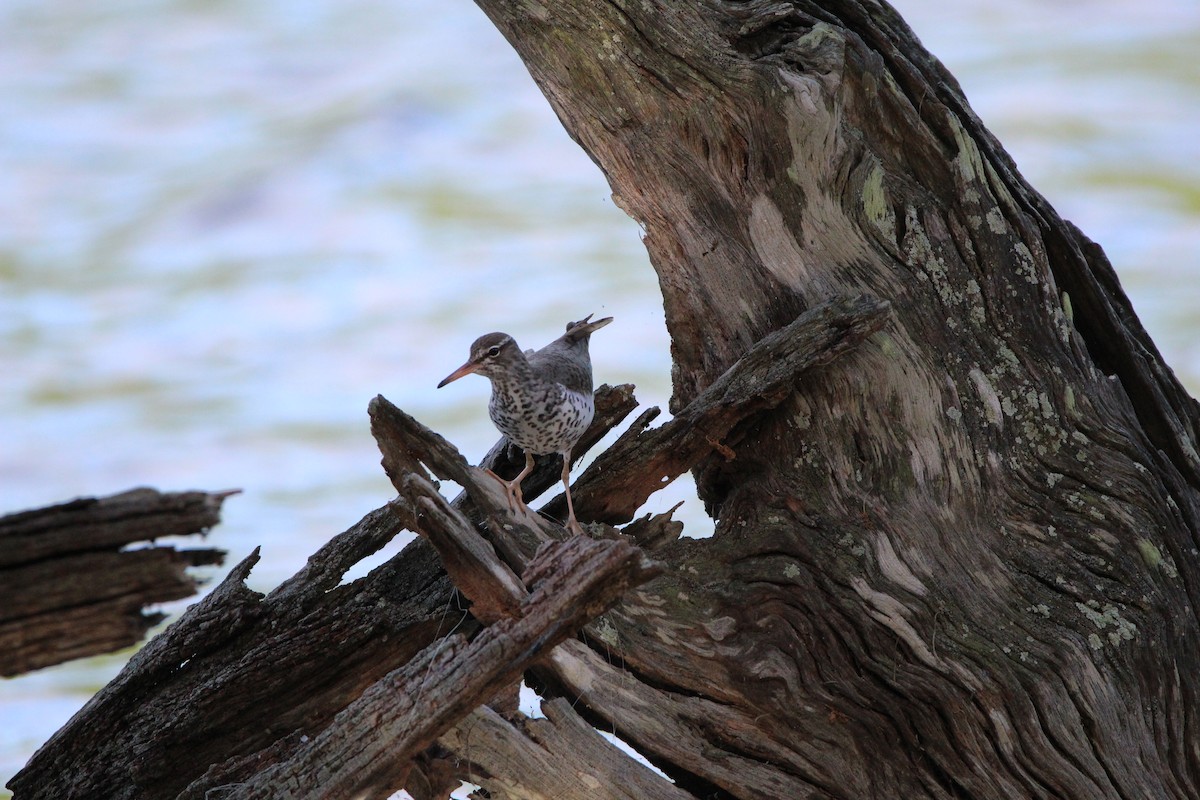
column 584, row 327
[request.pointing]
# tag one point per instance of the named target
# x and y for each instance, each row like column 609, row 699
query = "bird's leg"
column 504, row 483
column 514, row 487
column 572, row 524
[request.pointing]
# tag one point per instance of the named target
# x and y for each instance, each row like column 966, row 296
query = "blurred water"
column 224, row 227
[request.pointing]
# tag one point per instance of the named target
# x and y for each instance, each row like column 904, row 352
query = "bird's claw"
column 512, row 490
column 515, row 495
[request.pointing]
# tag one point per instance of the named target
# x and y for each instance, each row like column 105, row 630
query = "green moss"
column 1150, row 553
column 886, row 344
column 968, row 160
column 875, row 204
column 603, row 630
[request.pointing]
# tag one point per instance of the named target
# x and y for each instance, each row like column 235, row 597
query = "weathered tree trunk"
column 959, row 561
column 964, row 562
column 73, row 589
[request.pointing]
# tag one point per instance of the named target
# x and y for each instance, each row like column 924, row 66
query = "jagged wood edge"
column 759, row 381
column 239, row 672
column 369, row 747
column 212, row 643
column 325, row 567
column 525, row 758
column 73, row 589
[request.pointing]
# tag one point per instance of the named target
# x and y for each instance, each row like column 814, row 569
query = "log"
column 240, row 672
column 538, row 750
column 643, row 461
column 957, row 562
column 73, row 586
column 234, row 686
column 244, row 675
column 368, row 748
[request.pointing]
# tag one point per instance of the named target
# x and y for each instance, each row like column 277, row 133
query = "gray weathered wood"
column 368, row 748
column 239, row 671
column 551, row 758
column 72, row 590
column 958, row 562
column 240, row 679
column 967, row 553
column 643, row 460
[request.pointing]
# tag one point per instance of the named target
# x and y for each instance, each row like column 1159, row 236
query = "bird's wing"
column 566, row 360
column 562, row 362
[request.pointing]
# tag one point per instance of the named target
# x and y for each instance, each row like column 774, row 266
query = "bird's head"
column 491, row 354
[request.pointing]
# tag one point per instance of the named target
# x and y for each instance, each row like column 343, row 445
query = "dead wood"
column 643, row 461
column 269, row 652
column 236, row 683
column 238, row 673
column 368, row 748
column 72, row 587
column 557, row 756
column 959, row 562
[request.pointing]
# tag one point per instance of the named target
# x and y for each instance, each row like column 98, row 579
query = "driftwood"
column 215, row 696
column 72, row 589
column 369, row 747
column 239, row 696
column 643, row 461
column 958, row 562
column 549, row 758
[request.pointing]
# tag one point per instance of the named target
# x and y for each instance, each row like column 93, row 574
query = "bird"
column 541, row 399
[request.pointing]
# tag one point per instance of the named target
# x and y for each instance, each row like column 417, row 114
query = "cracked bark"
column 73, row 589
column 964, row 563
column 282, row 695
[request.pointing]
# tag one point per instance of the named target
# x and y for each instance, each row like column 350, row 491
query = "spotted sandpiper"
column 541, row 400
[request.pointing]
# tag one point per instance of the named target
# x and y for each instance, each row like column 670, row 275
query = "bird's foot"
column 573, row 527
column 505, row 484
column 515, row 497
column 512, row 490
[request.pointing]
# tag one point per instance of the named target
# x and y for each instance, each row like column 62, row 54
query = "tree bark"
column 959, row 561
column 964, row 563
column 73, row 590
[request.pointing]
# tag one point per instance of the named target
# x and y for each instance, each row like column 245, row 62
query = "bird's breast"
column 543, row 418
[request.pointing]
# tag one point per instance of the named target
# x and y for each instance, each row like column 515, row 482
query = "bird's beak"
column 465, row 369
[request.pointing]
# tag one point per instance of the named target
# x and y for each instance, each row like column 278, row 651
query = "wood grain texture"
column 239, row 671
column 368, row 748
column 960, row 561
column 645, row 460
column 557, row 756
column 966, row 553
column 72, row 587
column 240, row 681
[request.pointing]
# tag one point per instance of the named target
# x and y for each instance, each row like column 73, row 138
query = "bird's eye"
column 494, row 350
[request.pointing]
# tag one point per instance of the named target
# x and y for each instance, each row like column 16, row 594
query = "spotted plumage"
column 541, row 400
